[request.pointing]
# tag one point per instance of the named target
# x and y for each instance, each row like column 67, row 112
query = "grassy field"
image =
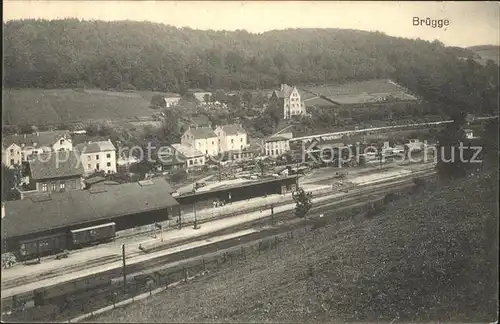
column 431, row 256
column 41, row 106
column 355, row 88
column 487, row 52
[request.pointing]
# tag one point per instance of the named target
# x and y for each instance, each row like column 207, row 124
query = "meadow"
column 55, row 106
column 430, row 256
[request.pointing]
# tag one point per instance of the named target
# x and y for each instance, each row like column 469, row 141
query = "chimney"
column 37, row 134
column 24, row 136
column 3, row 209
column 282, row 87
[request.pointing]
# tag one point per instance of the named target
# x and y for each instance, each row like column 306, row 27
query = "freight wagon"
column 43, row 246
column 52, row 244
column 92, row 235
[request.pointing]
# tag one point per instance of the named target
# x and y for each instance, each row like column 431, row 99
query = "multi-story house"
column 278, row 145
column 202, row 139
column 231, row 138
column 18, row 148
column 53, row 172
column 288, row 98
column 190, row 155
column 97, row 156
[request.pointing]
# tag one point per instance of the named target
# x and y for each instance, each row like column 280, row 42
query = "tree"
column 449, row 164
column 247, row 97
column 158, row 101
column 9, row 182
column 303, row 202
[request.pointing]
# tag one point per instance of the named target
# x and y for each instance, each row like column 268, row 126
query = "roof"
column 202, row 132
column 55, row 165
column 357, row 92
column 187, row 151
column 200, row 96
column 200, row 120
column 40, row 138
column 232, row 129
column 171, row 159
column 78, row 207
column 284, row 92
column 276, row 138
column 95, row 147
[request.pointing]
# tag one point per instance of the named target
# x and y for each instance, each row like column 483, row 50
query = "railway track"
column 286, row 221
column 321, row 206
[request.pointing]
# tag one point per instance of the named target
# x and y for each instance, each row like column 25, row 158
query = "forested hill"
column 149, row 56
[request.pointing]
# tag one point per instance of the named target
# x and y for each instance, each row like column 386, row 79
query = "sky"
column 470, row 23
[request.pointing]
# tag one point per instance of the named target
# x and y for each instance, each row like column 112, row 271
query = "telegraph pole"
column 124, row 272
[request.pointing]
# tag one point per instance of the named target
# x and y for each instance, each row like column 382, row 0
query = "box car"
column 43, row 245
column 93, row 234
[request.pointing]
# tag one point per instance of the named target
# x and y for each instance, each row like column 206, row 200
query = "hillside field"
column 42, row 106
column 487, row 52
column 430, row 256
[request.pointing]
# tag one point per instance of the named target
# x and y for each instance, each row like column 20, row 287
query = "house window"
column 109, row 171
column 54, row 186
column 44, row 187
column 232, row 141
column 190, row 162
column 11, row 161
column 62, row 185
column 206, row 151
column 97, row 157
column 108, row 156
column 212, row 142
column 108, row 164
column 242, row 147
column 241, row 139
column 73, row 184
column 97, row 166
column 61, row 142
column 89, row 166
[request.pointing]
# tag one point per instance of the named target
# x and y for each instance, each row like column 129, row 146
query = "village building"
column 18, row 148
column 193, row 157
column 231, row 138
column 97, row 156
column 53, row 172
column 202, row 139
column 278, row 145
column 289, row 100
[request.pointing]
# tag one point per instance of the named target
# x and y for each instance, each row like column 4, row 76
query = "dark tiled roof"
column 56, row 165
column 40, row 138
column 202, row 132
column 82, row 206
column 233, row 129
column 285, row 93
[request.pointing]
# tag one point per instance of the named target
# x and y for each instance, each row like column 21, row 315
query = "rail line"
column 321, row 206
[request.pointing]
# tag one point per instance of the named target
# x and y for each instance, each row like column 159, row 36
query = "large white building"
column 278, row 145
column 18, row 148
column 97, row 156
column 231, row 138
column 288, row 98
column 202, row 139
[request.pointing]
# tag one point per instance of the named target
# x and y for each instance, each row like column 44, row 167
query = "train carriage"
column 42, row 246
column 93, row 234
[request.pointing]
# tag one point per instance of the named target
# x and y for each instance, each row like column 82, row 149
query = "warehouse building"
column 48, row 220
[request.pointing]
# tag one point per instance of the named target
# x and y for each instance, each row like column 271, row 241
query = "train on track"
column 73, row 239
